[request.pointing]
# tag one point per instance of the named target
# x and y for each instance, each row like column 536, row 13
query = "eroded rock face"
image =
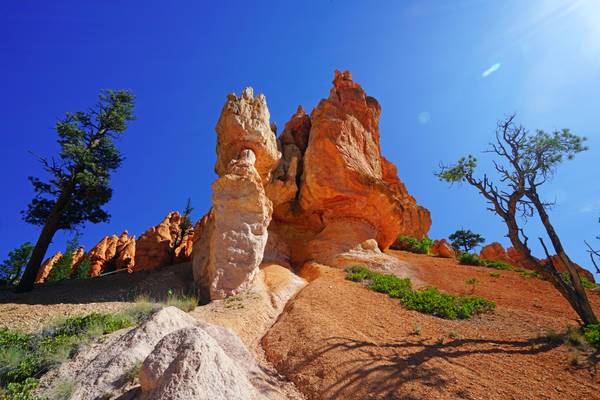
column 495, row 251
column 244, row 124
column 345, row 175
column 163, row 245
column 233, row 250
column 46, row 267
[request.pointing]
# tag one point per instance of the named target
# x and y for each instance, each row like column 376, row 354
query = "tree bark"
column 578, row 295
column 51, row 226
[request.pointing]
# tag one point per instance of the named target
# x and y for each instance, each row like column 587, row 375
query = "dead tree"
column 524, row 162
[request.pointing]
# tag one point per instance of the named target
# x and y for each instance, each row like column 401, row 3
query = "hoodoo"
column 320, row 190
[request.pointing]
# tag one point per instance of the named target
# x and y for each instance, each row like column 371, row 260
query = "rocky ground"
column 339, row 340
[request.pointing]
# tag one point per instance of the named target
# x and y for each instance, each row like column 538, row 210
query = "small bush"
column 428, row 301
column 20, row 391
column 469, row 259
column 142, row 309
column 494, row 274
column 414, row 245
column 592, row 335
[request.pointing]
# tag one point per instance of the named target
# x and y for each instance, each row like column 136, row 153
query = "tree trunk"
column 39, row 251
column 578, row 295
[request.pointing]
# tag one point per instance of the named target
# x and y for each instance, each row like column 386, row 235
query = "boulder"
column 441, row 248
column 177, row 356
column 190, row 364
column 495, row 251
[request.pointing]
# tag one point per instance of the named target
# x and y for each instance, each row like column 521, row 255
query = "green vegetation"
column 76, row 183
column 12, row 268
column 473, row 259
column 414, row 245
column 25, row 357
column 84, row 268
column 495, row 274
column 465, row 240
column 584, row 281
column 61, row 270
column 524, row 161
column 592, row 335
column 428, row 301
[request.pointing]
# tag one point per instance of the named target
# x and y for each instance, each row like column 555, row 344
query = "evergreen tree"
column 79, row 178
column 12, row 268
column 184, row 228
column 465, row 240
column 62, row 269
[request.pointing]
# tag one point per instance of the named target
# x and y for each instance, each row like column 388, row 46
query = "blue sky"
column 443, row 71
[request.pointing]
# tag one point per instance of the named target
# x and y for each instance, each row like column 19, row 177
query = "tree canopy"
column 87, row 156
column 465, row 240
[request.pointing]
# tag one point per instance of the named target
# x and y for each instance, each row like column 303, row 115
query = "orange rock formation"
column 333, row 194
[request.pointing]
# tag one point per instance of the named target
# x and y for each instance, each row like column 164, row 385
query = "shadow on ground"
column 116, row 287
column 390, row 369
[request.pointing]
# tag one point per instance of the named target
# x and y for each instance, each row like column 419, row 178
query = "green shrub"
column 20, row 391
column 428, row 301
column 142, row 309
column 62, row 389
column 24, row 356
column 592, row 335
column 469, row 259
column 414, row 245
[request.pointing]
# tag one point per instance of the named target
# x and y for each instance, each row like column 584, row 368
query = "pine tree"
column 465, row 240
column 13, row 266
column 79, row 178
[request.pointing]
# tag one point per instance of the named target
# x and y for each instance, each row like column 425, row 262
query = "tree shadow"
column 392, row 370
column 122, row 286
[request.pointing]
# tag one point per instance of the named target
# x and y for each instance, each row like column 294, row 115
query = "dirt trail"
column 339, row 340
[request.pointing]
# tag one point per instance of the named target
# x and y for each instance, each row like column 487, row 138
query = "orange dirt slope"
column 339, row 340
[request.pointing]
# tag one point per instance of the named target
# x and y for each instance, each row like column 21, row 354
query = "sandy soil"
column 339, row 340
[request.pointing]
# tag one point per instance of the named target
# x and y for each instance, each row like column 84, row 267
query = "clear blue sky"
column 443, row 71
